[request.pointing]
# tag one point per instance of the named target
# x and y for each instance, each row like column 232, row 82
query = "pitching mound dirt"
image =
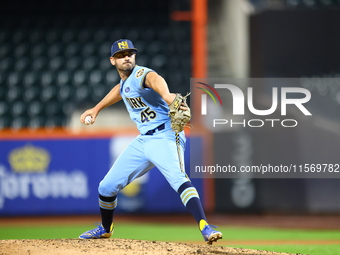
column 116, row 246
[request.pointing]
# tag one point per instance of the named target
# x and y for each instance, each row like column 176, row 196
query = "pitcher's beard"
column 126, row 67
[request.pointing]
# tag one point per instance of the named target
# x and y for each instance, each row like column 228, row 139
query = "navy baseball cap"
column 121, row 45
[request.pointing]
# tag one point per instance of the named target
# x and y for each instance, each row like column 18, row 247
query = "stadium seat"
column 67, row 107
column 158, row 62
column 36, row 122
column 73, row 63
column 79, row 77
column 35, row 108
column 47, row 93
column 30, row 79
column 18, row 37
column 53, row 122
column 64, row 94
column 63, row 78
column 112, row 77
column 100, row 36
column 96, row 77
column 105, row 64
column 149, row 34
column 19, row 123
column 5, row 49
column 47, row 78
column 90, row 63
column 54, row 108
column 89, row 49
column 5, row 122
column 98, row 93
column 55, row 49
column 133, row 34
column 39, row 63
column 63, row 60
column 81, row 94
column 57, row 63
column 6, row 64
column 142, row 60
column 21, row 50
column 22, row 64
column 3, row 94
column 72, row 49
column 14, row 94
column 154, row 47
column 104, row 49
column 4, row 109
column 31, row 94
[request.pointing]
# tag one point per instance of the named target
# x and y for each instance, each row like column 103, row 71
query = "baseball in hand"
column 88, row 120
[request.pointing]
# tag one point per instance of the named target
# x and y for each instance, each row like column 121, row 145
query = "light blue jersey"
column 161, row 147
column 145, row 106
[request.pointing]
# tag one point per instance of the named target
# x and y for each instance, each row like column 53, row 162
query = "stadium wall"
column 46, row 174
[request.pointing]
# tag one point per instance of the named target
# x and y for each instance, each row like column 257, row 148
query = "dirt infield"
column 118, row 247
column 138, row 247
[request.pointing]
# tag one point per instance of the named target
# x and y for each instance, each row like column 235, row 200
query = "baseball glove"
column 179, row 118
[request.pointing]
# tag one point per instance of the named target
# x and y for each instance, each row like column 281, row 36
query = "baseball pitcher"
column 160, row 117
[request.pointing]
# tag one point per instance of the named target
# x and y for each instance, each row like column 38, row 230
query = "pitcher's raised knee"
column 108, row 189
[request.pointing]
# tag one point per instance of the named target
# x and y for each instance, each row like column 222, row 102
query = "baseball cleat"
column 210, row 235
column 98, row 232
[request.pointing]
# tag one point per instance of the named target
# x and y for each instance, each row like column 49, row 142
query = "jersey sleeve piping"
column 142, row 82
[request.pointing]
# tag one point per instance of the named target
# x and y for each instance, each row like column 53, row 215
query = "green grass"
column 165, row 232
column 281, row 234
column 41, row 232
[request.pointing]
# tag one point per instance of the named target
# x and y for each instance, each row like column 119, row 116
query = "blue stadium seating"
column 52, row 62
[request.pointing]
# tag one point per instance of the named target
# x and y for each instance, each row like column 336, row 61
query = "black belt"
column 152, row 131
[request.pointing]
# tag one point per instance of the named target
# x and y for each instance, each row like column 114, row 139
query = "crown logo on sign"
column 29, row 159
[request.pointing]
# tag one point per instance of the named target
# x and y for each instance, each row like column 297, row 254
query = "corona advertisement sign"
column 61, row 176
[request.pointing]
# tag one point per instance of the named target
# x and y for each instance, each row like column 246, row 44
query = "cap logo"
column 123, row 45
